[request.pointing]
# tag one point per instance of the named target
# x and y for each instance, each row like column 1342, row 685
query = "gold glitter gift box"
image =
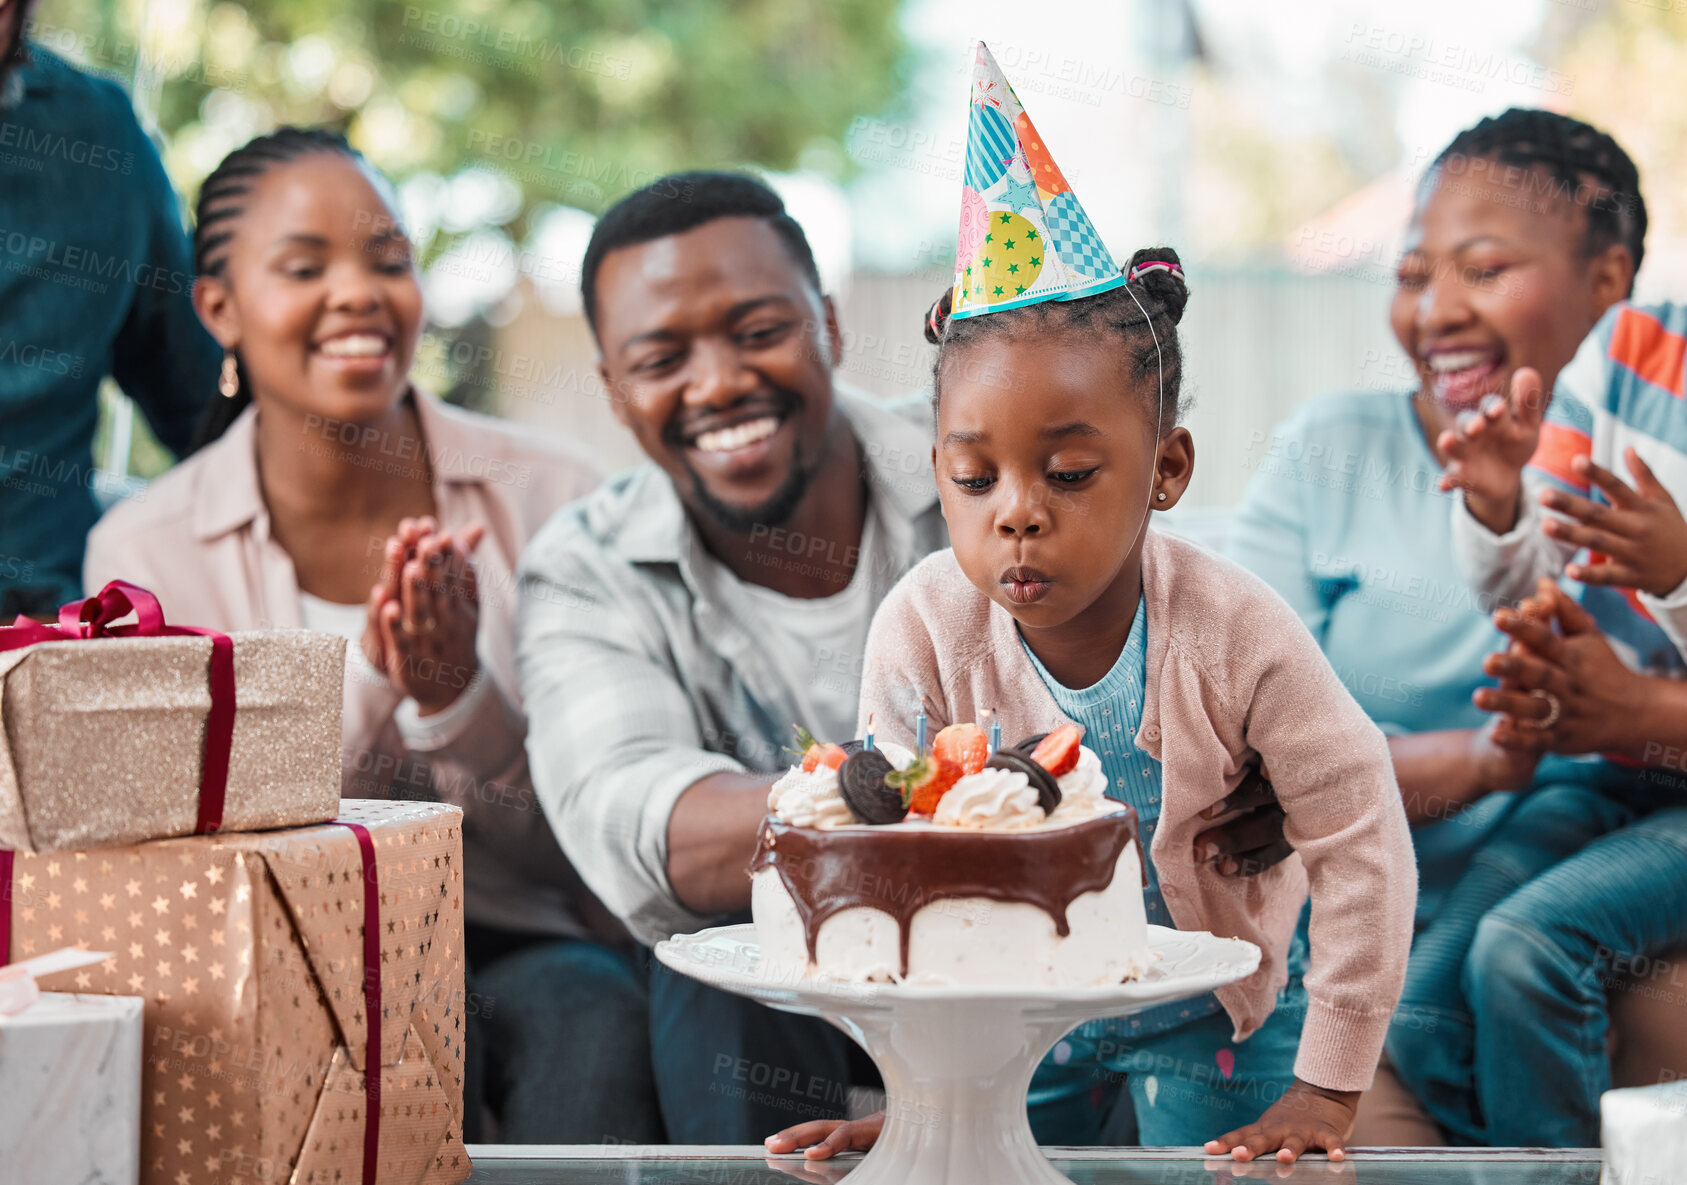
column 250, row 952
column 104, row 739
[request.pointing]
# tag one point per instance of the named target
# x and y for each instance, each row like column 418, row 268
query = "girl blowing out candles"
column 1057, row 434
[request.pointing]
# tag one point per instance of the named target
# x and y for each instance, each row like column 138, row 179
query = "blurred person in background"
column 330, row 494
column 1527, row 228
column 95, row 279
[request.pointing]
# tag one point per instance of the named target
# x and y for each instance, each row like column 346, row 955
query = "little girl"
column 1056, row 436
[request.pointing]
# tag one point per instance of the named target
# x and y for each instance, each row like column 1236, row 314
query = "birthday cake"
column 958, row 865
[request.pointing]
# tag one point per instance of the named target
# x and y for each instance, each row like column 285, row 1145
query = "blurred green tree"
column 492, row 111
column 575, row 101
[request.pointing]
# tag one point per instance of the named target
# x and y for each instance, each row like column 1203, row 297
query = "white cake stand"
column 957, row 1061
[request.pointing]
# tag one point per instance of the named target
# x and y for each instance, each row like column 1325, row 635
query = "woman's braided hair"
column 221, row 202
column 1146, row 352
column 1580, row 162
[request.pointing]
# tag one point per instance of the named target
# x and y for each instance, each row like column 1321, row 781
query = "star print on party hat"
column 1024, row 236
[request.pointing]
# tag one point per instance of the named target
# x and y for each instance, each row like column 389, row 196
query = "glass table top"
column 532, row 1165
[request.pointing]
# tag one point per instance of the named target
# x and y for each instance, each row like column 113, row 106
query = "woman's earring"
column 229, row 383
column 1160, row 497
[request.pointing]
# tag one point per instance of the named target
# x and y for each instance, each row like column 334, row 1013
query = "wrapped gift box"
column 1644, row 1133
column 250, row 952
column 70, row 1090
column 104, row 738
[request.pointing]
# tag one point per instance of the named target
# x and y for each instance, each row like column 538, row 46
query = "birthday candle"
column 995, row 729
column 920, row 728
column 867, row 741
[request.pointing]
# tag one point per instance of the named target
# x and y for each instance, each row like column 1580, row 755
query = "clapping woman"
column 331, row 494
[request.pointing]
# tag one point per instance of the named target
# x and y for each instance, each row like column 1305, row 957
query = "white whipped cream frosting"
column 810, row 799
column 990, row 800
column 814, row 799
column 1083, row 791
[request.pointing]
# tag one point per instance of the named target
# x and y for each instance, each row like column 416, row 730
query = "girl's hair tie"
column 937, row 316
column 1153, row 265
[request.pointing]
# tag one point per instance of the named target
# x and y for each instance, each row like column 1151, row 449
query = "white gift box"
column 70, row 1090
column 1644, row 1131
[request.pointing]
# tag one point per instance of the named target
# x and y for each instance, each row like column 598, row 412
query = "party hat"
column 1024, row 236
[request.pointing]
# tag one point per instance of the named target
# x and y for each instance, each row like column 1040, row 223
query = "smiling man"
column 675, row 624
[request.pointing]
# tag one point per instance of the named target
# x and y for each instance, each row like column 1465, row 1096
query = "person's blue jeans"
column 732, row 1071
column 559, row 1044
column 1168, row 1089
column 1501, row 1029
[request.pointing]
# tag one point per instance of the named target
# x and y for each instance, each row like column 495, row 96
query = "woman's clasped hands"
column 424, row 612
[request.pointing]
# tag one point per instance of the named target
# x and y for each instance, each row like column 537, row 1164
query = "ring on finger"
column 1552, row 707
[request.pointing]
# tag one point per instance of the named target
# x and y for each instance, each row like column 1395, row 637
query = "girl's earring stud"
column 1160, row 497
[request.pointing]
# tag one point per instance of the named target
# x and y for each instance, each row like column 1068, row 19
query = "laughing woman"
column 331, row 495
column 1527, row 227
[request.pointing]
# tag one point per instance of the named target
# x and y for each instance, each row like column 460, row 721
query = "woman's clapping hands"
column 1562, row 690
column 424, row 611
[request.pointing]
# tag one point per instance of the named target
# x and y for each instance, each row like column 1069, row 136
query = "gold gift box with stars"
column 249, row 952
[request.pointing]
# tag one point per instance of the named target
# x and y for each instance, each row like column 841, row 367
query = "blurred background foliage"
column 501, row 122
column 518, row 105
column 1278, row 146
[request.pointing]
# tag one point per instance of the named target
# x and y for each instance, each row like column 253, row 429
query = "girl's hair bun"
column 937, row 316
column 1157, row 273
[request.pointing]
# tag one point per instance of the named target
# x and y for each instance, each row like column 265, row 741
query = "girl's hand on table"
column 825, row 1138
column 1639, row 531
column 1488, row 449
column 1306, row 1119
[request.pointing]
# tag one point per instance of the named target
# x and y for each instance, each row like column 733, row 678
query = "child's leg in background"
column 1193, row 1083
column 1181, row 1086
column 1537, row 974
column 1431, row 1041
column 1072, row 1095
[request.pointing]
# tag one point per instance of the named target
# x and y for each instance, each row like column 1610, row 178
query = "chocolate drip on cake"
column 898, row 870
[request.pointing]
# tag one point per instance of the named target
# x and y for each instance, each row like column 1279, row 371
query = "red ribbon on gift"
column 5, row 906
column 371, row 1003
column 94, row 617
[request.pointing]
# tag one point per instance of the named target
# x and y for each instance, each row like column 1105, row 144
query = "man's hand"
column 1597, row 699
column 1252, row 841
column 1307, row 1118
column 1640, row 532
column 1488, row 449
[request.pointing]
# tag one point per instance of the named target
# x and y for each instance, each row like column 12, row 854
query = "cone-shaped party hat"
column 1024, row 236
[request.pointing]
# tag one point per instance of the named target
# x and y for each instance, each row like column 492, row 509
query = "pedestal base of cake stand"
column 957, row 1062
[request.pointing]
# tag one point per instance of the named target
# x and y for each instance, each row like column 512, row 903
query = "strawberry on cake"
column 955, row 865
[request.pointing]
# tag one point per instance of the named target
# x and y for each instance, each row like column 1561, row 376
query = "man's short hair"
column 680, row 202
